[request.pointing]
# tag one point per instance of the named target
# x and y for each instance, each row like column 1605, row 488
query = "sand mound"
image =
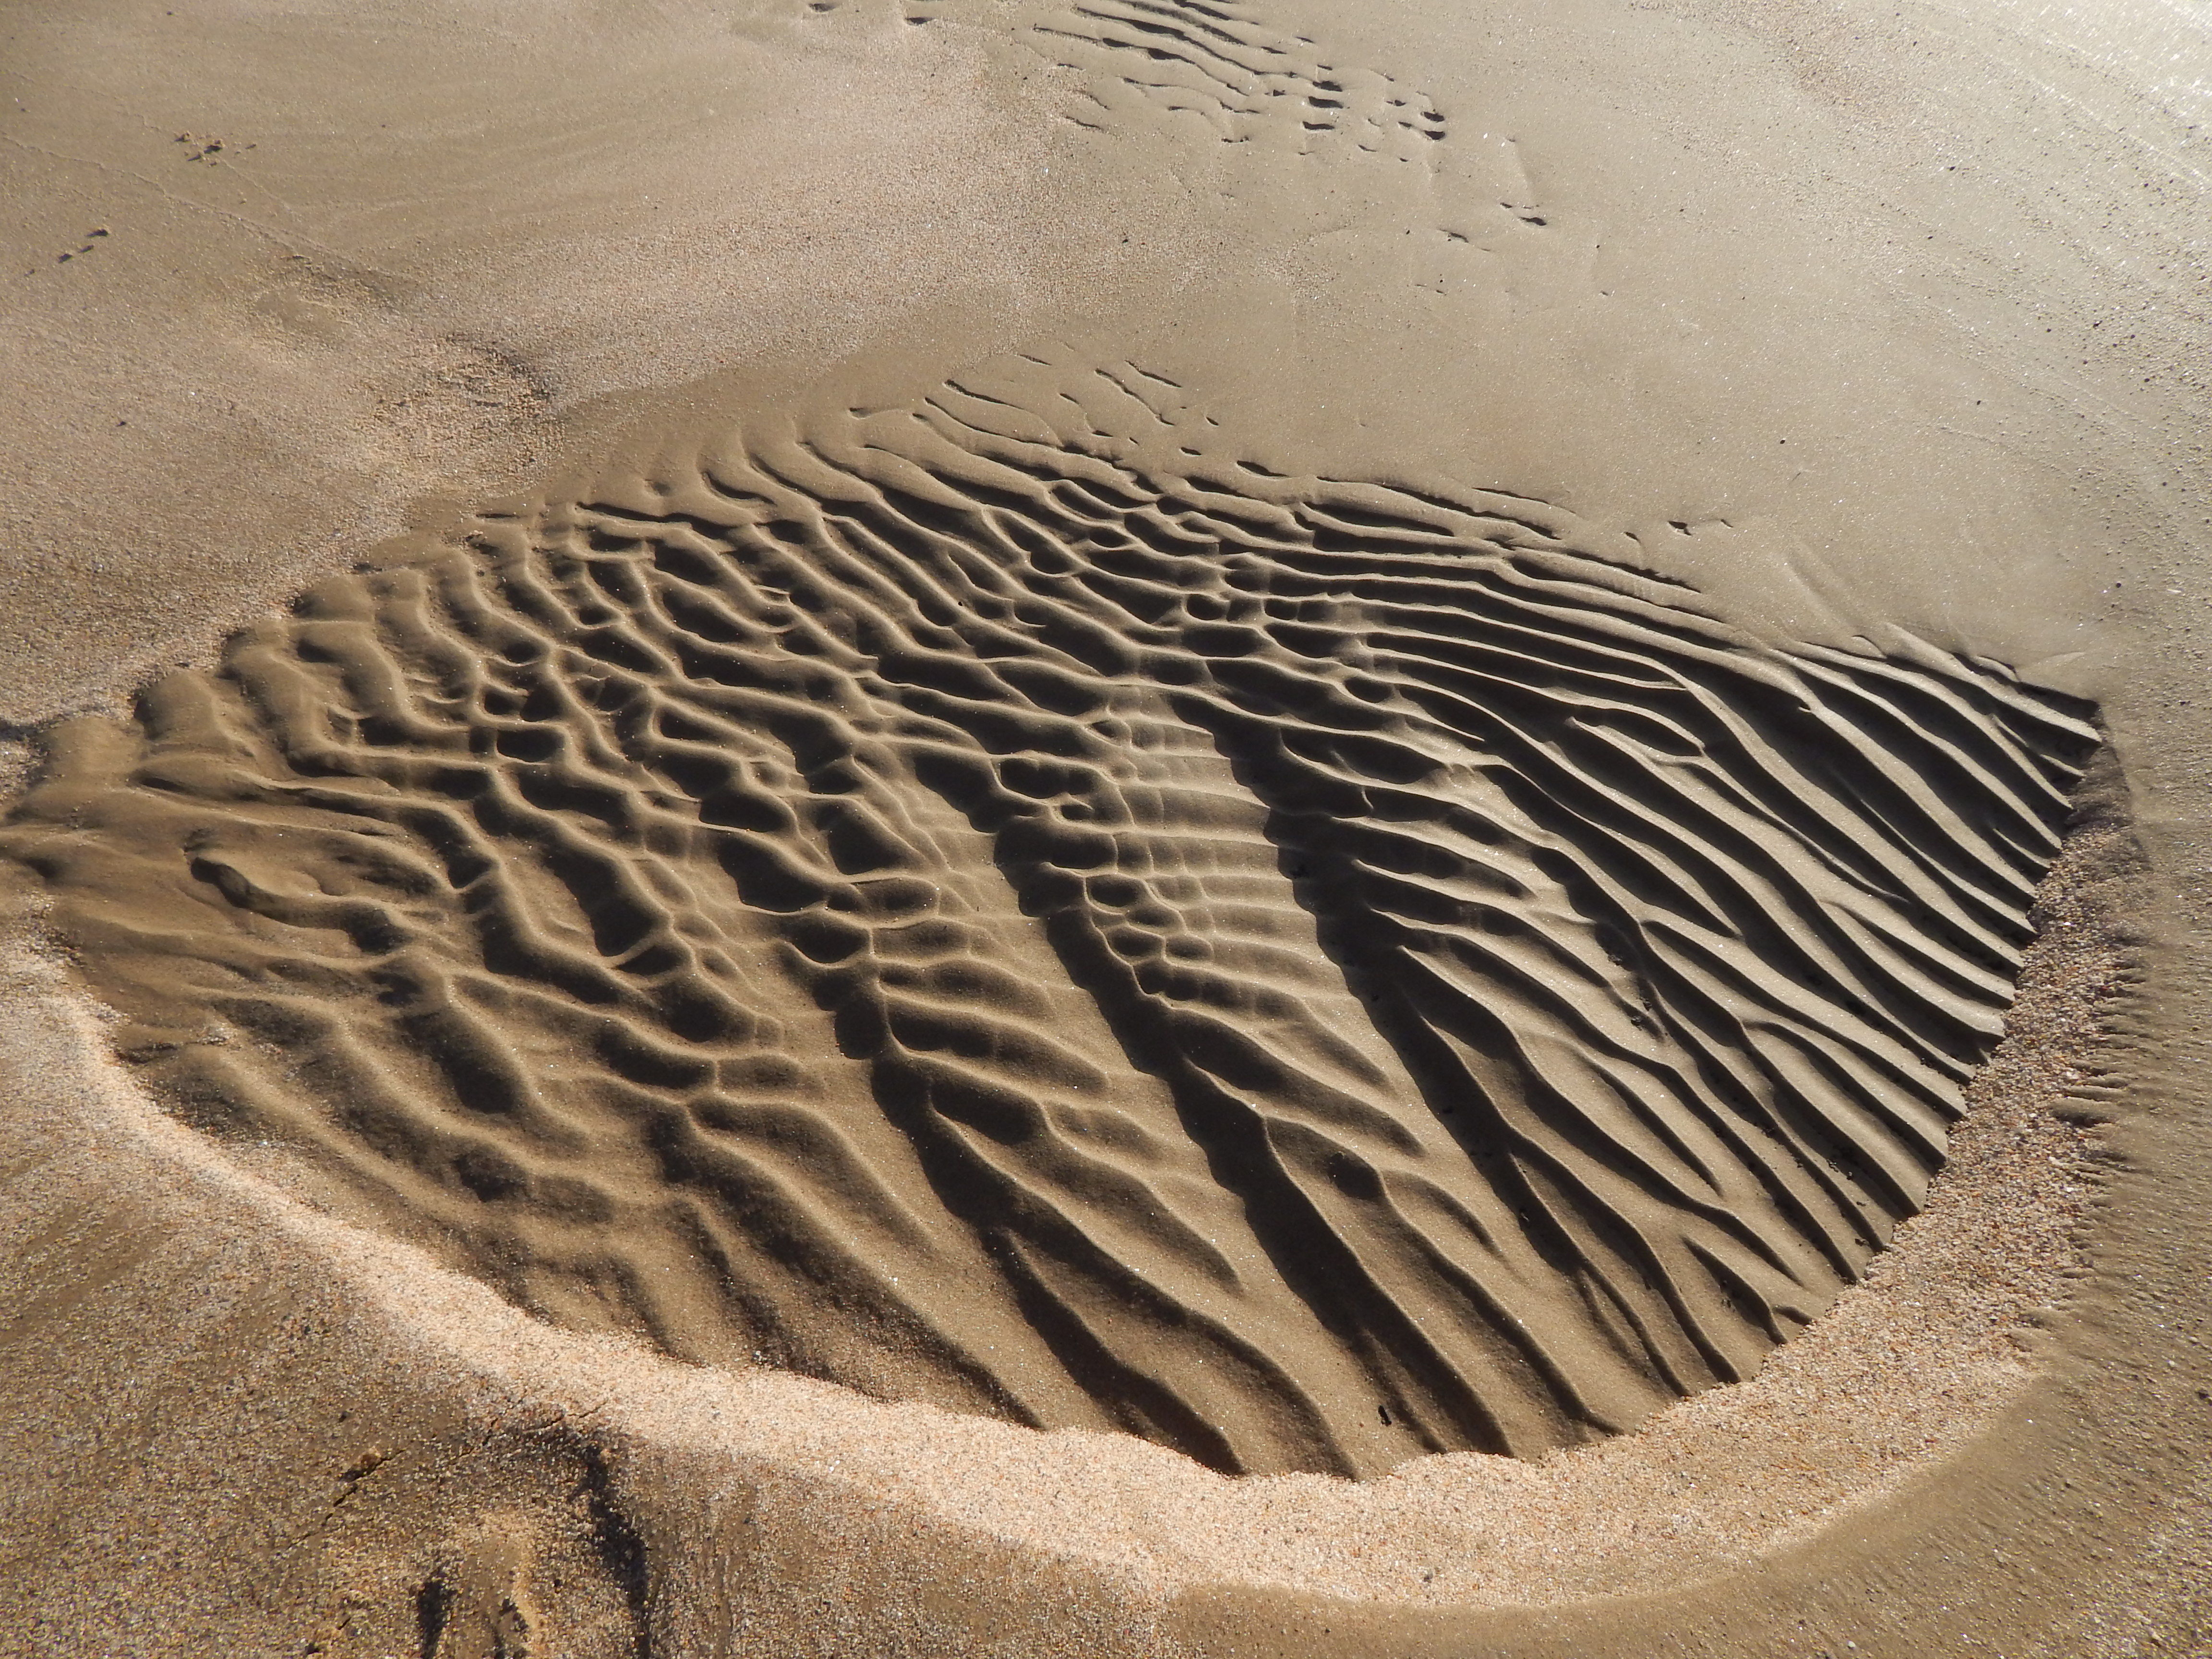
column 990, row 902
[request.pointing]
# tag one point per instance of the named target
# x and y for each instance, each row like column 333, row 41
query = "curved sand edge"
column 1485, row 1005
column 1906, row 1368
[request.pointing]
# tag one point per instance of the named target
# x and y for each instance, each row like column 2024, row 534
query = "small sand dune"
column 944, row 900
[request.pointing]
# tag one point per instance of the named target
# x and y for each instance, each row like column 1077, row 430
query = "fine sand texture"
column 1147, row 826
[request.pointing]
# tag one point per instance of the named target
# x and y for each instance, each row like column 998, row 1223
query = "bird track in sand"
column 941, row 900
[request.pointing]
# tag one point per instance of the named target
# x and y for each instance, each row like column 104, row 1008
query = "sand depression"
column 990, row 900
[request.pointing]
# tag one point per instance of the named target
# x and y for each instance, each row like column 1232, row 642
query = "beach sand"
column 1574, row 564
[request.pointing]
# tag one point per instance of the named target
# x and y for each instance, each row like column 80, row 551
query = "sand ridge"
column 987, row 903
column 747, row 1488
column 1246, row 82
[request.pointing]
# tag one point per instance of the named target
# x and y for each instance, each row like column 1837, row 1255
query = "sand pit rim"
column 1682, row 1501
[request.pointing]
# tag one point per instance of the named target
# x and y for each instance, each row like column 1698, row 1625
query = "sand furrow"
column 947, row 901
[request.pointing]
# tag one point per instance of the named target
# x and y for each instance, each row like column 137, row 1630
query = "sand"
column 997, row 656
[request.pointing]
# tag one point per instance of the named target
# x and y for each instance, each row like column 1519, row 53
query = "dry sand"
column 1872, row 336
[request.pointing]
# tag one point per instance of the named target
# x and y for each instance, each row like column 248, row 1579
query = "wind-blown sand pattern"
column 1257, row 119
column 987, row 903
column 1243, row 79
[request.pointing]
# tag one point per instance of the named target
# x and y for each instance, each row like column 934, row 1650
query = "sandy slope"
column 1873, row 333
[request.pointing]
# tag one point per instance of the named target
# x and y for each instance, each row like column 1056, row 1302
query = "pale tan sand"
column 1892, row 315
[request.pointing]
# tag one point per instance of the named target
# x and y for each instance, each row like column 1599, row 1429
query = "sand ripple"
column 1303, row 971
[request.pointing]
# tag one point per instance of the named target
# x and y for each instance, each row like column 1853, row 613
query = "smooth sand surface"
column 1132, row 828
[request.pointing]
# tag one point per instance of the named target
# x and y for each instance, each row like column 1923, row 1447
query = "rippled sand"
column 1177, row 828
